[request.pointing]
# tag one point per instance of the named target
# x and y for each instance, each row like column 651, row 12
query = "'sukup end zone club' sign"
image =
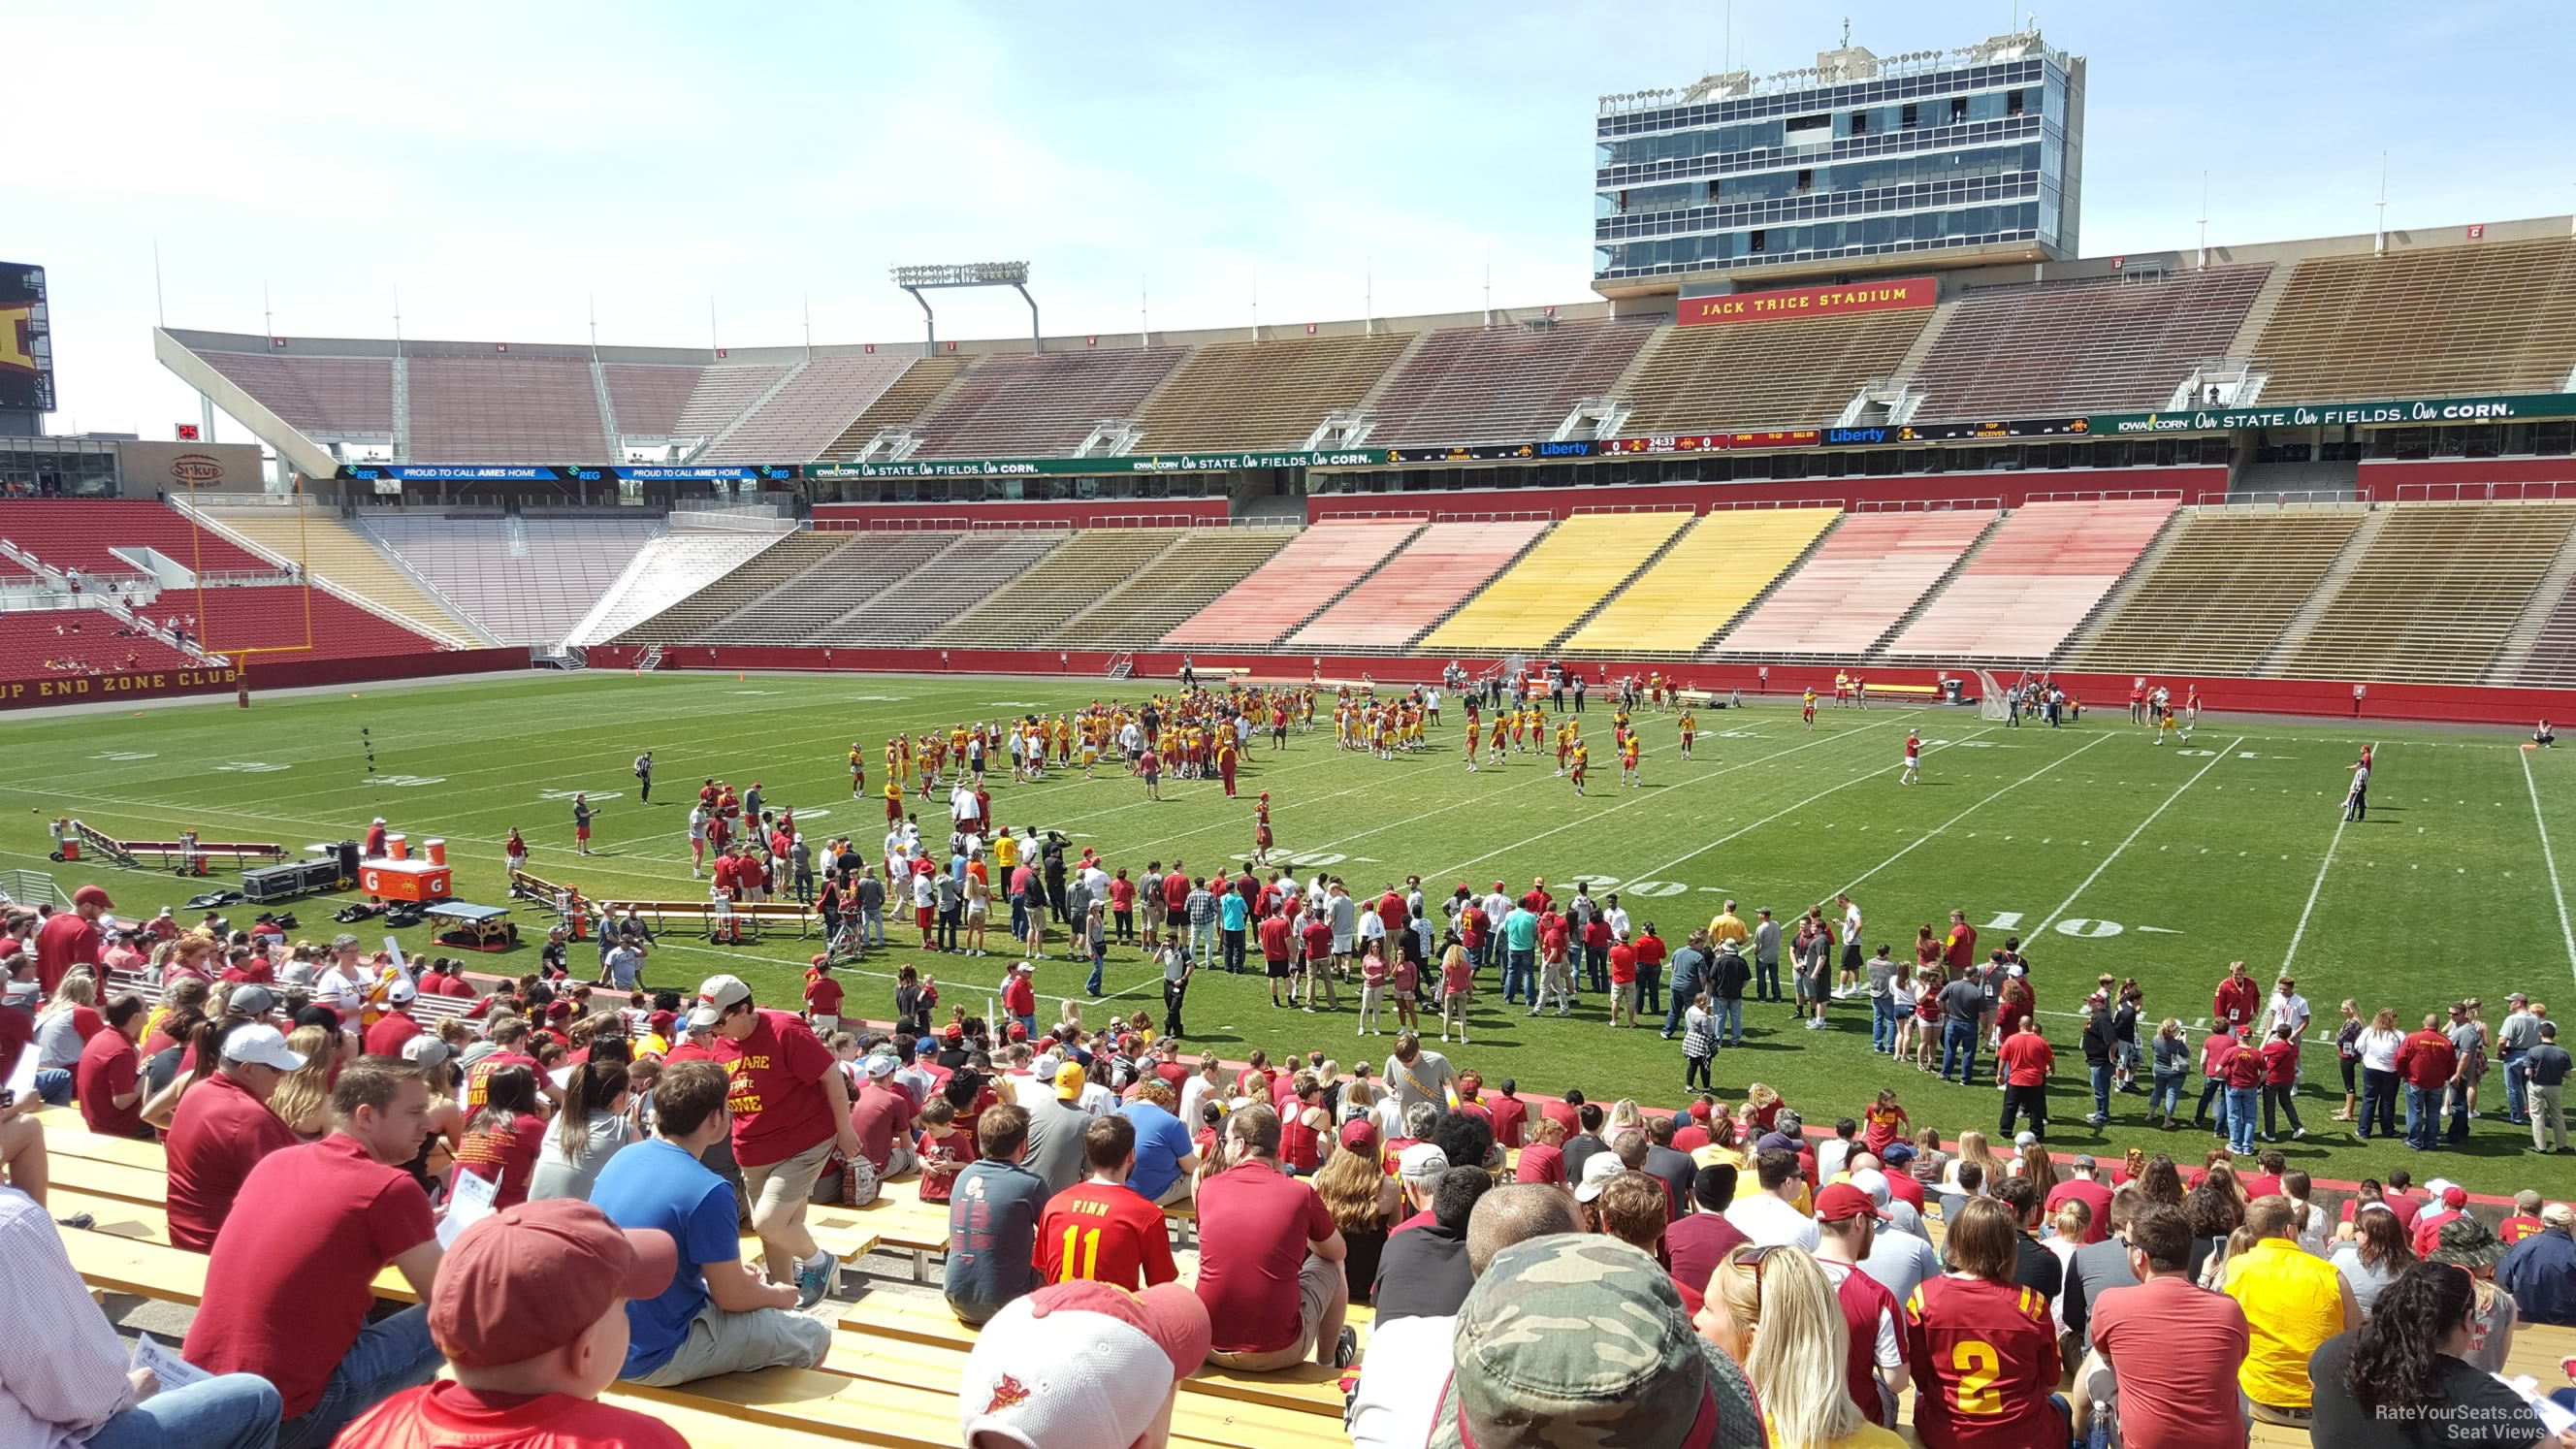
column 1887, row 296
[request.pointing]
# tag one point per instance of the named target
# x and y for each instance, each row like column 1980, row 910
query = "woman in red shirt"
column 1984, row 1357
column 502, row 1141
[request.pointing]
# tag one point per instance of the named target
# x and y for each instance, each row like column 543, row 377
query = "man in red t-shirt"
column 1510, row 1114
column 2175, row 1347
column 291, row 1283
column 2087, row 1188
column 2427, row 1060
column 1278, row 946
column 2236, row 999
column 511, row 1040
column 397, row 1025
column 1270, row 1259
column 1020, row 998
column 531, row 1313
column 1098, row 1229
column 108, row 1077
column 1959, row 947
column 791, row 1111
column 882, row 1116
column 1566, row 1112
column 71, row 938
column 2026, row 1062
column 222, row 1130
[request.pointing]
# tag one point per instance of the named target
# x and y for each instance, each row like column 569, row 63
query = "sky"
column 506, row 171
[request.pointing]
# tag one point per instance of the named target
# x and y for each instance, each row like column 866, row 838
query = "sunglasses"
column 1752, row 1259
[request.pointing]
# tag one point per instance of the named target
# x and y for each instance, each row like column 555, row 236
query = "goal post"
column 1991, row 703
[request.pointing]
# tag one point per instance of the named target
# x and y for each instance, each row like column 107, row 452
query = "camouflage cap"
column 1578, row 1341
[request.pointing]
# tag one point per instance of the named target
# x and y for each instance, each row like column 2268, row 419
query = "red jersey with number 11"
column 1106, row 1234
column 1984, row 1362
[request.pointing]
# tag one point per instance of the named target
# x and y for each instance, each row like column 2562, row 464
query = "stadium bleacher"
column 900, row 405
column 2424, row 322
column 735, row 589
column 323, row 397
column 1056, row 587
column 1765, row 374
column 721, row 395
column 2040, row 573
column 1702, row 582
column 1583, row 561
column 2097, row 345
column 1502, row 384
column 333, row 550
column 1203, row 564
column 1864, row 578
column 803, row 418
column 2221, row 594
column 863, row 566
column 1293, row 584
column 1019, row 405
column 504, row 409
column 1442, row 566
column 274, row 617
column 950, row 582
column 523, row 580
column 28, row 642
column 648, row 400
column 1267, row 394
column 2433, row 596
column 84, row 534
column 665, row 571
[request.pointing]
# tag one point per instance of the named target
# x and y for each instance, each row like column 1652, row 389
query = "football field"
column 2101, row 850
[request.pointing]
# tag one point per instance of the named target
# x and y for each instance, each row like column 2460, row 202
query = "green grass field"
column 2104, row 852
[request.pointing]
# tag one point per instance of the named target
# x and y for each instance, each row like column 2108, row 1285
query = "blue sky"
column 506, row 166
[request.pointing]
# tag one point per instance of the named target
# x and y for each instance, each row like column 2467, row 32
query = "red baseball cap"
column 530, row 1279
column 1359, row 1134
column 91, row 895
column 1842, row 1202
column 2455, row 1197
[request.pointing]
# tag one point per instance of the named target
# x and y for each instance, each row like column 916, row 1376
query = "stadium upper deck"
column 2455, row 311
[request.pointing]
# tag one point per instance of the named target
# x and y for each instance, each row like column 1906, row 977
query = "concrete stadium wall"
column 2317, row 698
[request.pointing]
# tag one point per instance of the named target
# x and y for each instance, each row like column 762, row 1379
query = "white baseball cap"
column 1598, row 1169
column 424, row 1050
column 262, row 1046
column 1423, row 1162
column 401, row 992
column 1080, row 1365
column 714, row 995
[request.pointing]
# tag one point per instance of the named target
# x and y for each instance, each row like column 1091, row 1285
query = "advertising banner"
column 2401, row 412
column 1715, row 442
column 178, row 467
column 1885, row 296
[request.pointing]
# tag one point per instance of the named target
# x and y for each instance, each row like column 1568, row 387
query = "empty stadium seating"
column 330, row 549
column 503, row 410
column 900, row 405
column 865, row 565
column 2552, row 660
column 1057, row 587
column 736, row 587
column 2040, row 573
column 274, row 618
column 2494, row 317
column 648, row 399
column 1444, row 564
column 28, row 641
column 2433, row 596
column 1765, row 374
column 522, row 581
column 2222, row 592
column 2066, row 348
column 1865, row 576
column 964, row 575
column 1702, row 582
column 321, row 397
column 1205, row 562
column 1293, row 584
column 1503, row 384
column 665, row 571
column 1268, row 394
column 796, row 424
column 720, row 397
column 1580, row 563
column 84, row 534
column 1017, row 404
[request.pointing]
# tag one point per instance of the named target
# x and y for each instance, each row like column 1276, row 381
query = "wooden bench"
column 700, row 917
column 1910, row 691
column 428, row 1006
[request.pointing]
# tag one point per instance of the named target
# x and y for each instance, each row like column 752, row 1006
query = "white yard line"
column 1944, row 826
column 2549, row 858
column 2064, row 905
column 1642, row 798
column 2299, row 932
column 1658, row 872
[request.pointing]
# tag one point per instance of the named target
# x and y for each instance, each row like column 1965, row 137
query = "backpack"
column 855, row 1185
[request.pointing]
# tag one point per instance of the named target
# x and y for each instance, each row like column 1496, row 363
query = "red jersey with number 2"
column 1985, row 1361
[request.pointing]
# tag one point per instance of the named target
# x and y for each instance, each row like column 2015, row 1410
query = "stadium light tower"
column 1014, row 275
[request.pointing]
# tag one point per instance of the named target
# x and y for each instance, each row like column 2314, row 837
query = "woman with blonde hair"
column 1774, row 1312
column 1625, row 1116
column 303, row 1097
column 67, row 1023
column 2378, row 1044
column 1973, row 1148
